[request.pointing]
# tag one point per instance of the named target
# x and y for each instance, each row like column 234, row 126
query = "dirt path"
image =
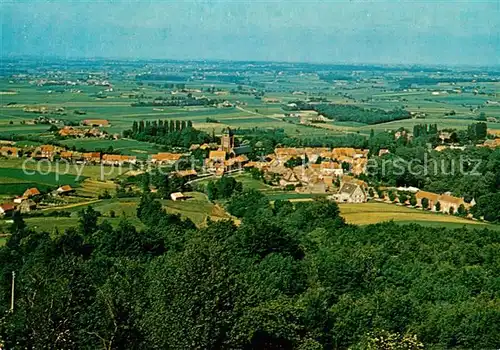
column 72, row 205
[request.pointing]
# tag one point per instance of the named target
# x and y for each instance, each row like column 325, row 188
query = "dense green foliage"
column 223, row 188
column 349, row 113
column 290, row 276
column 473, row 173
column 176, row 101
column 173, row 133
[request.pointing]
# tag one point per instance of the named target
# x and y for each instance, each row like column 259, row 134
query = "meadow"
column 375, row 212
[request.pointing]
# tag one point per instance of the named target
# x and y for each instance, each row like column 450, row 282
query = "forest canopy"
column 291, row 275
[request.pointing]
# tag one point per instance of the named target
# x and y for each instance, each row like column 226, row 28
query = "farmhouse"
column 70, row 155
column 217, row 155
column 492, row 143
column 350, row 192
column 359, row 166
column 329, row 168
column 116, row 159
column 448, row 203
column 383, row 151
column 64, row 190
column 92, row 157
column 287, row 153
column 236, row 161
column 6, row 209
column 26, row 206
column 177, row 196
column 47, row 151
column 69, row 131
column 9, row 151
column 165, row 158
column 215, row 161
column 31, row 192
column 187, row 173
column 96, row 122
column 289, row 178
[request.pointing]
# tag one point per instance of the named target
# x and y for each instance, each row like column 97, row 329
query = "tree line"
column 170, row 133
column 350, row 113
column 291, row 275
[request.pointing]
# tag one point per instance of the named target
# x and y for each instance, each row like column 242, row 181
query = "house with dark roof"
column 350, row 192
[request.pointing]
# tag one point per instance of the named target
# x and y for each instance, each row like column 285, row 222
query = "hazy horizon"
column 340, row 32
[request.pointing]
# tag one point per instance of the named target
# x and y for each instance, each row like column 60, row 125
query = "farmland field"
column 373, row 212
column 16, row 181
column 258, row 98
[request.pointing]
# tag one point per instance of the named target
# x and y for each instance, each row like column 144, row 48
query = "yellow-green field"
column 92, row 188
column 373, row 212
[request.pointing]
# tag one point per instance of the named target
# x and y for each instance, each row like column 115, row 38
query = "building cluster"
column 227, row 156
column 51, row 152
column 448, row 204
column 96, row 122
column 316, row 170
column 69, row 131
column 28, row 201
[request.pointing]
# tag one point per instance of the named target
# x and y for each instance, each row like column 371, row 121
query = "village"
column 336, row 173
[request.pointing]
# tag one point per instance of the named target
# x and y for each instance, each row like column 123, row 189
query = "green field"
column 197, row 208
column 83, row 170
column 15, row 181
column 124, row 146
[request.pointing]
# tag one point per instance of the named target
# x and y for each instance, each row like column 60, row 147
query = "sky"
column 350, row 31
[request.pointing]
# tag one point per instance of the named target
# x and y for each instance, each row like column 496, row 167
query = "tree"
column 403, row 197
column 371, row 193
column 425, row 203
column 380, row 193
column 413, row 200
column 438, row 206
column 145, row 182
column 88, row 221
column 392, row 196
column 246, row 203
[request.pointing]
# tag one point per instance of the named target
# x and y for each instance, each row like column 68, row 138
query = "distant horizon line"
column 219, row 60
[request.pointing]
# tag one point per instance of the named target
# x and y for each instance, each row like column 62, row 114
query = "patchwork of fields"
column 450, row 106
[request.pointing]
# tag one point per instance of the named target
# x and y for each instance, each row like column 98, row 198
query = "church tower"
column 227, row 140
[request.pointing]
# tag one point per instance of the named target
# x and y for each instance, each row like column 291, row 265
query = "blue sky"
column 356, row 31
